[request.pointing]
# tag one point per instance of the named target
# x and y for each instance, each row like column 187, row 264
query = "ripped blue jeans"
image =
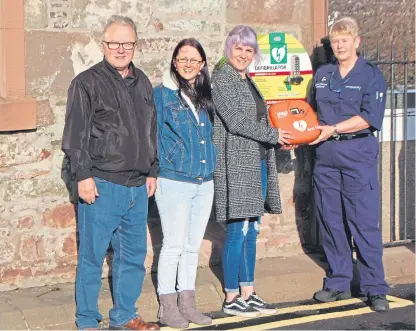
column 239, row 253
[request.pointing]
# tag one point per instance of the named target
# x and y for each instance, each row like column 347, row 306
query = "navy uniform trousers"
column 346, row 192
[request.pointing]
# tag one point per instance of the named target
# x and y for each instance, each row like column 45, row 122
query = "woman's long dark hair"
column 200, row 94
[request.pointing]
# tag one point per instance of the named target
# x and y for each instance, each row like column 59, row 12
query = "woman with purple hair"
column 245, row 181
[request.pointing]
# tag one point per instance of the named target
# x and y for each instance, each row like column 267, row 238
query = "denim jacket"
column 185, row 147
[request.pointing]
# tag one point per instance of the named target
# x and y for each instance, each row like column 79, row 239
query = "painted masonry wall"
column 37, row 221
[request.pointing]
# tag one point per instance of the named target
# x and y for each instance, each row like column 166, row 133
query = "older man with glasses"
column 110, row 139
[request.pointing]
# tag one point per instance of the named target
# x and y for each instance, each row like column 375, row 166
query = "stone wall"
column 38, row 241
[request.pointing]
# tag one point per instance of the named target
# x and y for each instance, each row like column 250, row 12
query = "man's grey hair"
column 121, row 20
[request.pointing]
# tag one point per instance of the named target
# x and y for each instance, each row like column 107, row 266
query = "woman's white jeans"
column 184, row 210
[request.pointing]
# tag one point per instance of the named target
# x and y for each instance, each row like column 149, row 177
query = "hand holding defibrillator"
column 327, row 131
column 285, row 139
column 296, row 121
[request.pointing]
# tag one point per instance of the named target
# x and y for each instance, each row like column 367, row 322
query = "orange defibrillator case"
column 296, row 116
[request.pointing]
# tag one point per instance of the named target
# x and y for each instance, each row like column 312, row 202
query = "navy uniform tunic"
column 345, row 180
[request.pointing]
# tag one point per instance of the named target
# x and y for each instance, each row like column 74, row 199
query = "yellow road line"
column 314, row 318
column 281, row 311
column 396, row 299
column 288, row 310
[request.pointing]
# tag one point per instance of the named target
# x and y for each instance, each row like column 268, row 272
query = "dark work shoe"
column 258, row 304
column 239, row 307
column 327, row 295
column 379, row 302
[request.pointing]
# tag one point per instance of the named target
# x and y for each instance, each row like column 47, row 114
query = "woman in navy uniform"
column 349, row 96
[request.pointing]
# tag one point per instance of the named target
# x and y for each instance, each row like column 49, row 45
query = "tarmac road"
column 352, row 314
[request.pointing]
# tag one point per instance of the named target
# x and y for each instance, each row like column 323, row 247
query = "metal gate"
column 397, row 144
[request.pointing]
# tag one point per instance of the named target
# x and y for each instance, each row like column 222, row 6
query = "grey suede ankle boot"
column 169, row 312
column 187, row 307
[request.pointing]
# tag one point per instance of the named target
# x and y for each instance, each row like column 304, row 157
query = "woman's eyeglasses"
column 185, row 60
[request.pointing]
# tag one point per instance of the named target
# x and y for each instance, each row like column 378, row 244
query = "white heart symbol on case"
column 300, row 125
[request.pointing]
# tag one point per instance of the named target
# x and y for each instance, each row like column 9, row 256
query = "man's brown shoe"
column 136, row 324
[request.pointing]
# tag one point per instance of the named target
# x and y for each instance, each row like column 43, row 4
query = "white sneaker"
column 257, row 303
column 239, row 307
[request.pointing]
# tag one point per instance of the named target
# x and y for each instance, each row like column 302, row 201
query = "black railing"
column 396, row 72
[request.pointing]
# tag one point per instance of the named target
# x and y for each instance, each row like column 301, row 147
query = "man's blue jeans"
column 239, row 253
column 119, row 216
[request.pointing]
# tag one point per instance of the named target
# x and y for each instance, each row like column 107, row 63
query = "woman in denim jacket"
column 185, row 185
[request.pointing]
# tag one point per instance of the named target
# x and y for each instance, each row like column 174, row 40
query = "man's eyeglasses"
column 115, row 45
column 185, row 60
column 338, row 90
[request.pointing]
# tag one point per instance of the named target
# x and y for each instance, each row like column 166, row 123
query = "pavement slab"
column 284, row 279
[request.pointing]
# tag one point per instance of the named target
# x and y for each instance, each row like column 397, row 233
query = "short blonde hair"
column 346, row 26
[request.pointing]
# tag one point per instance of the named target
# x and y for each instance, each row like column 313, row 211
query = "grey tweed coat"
column 237, row 133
